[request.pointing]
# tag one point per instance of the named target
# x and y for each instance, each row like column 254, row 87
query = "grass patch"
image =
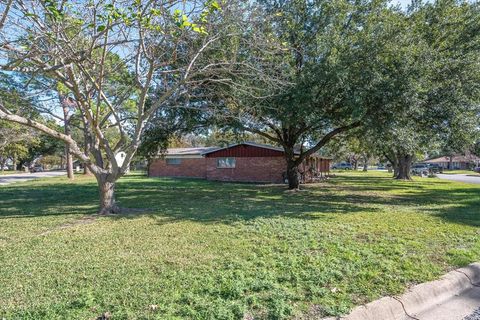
column 210, row 250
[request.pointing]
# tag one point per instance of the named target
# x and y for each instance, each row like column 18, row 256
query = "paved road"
column 21, row 177
column 467, row 178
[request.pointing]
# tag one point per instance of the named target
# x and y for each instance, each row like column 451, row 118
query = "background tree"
column 15, row 140
column 441, row 83
column 15, row 143
column 459, row 136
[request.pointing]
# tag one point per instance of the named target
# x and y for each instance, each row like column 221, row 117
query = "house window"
column 174, row 161
column 226, row 162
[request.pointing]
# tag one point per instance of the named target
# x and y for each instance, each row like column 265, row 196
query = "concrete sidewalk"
column 455, row 296
column 458, row 307
column 22, row 177
column 467, row 178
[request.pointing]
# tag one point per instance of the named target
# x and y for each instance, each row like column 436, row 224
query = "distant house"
column 457, row 162
column 244, row 162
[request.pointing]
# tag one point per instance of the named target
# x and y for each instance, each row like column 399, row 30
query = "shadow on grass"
column 171, row 200
column 453, row 202
column 48, row 197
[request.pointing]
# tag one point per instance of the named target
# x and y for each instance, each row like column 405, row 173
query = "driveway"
column 467, row 178
column 21, row 177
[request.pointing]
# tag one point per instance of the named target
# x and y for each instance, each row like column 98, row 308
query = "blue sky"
column 404, row 3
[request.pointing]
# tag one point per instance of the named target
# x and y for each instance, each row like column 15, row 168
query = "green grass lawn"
column 209, row 250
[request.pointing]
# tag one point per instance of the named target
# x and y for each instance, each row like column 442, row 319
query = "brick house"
column 243, row 162
column 457, row 162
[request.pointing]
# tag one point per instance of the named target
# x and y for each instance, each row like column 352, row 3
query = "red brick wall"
column 248, row 169
column 194, row 167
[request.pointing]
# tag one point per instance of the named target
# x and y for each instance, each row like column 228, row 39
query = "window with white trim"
column 228, row 162
column 174, row 161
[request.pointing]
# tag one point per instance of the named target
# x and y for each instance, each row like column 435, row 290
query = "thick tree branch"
column 325, row 140
column 43, row 128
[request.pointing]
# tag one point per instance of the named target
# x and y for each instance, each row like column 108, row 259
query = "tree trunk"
column 66, row 119
column 450, row 163
column 293, row 176
column 404, row 165
column 69, row 161
column 106, row 189
column 86, row 137
column 391, row 157
column 395, row 171
column 14, row 162
column 86, row 170
column 365, row 163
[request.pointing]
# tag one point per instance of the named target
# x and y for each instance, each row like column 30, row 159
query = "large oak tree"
column 337, row 56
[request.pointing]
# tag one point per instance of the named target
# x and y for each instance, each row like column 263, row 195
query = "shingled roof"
column 201, row 151
column 470, row 158
column 190, row 151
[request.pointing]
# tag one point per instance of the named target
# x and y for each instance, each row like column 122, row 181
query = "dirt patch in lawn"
column 82, row 221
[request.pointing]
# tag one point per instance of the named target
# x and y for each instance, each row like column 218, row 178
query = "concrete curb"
column 419, row 298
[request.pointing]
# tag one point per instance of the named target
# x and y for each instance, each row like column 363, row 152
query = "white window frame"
column 225, row 163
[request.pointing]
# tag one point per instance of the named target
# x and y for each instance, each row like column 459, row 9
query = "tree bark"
column 87, row 143
column 392, row 158
column 86, row 170
column 106, row 187
column 293, row 176
column 450, row 163
column 2, row 163
column 404, row 165
column 14, row 162
column 365, row 162
column 355, row 163
column 395, row 170
column 69, row 161
column 67, row 131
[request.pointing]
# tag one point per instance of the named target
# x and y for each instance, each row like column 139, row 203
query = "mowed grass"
column 210, row 250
